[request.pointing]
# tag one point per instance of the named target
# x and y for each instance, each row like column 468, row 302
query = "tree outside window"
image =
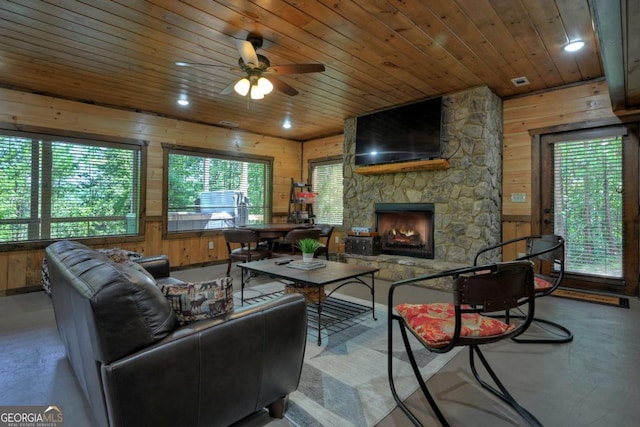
column 54, row 187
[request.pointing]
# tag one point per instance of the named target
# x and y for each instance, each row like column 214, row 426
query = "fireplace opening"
column 406, row 229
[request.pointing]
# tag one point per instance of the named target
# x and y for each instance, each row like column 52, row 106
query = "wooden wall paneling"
column 18, row 262
column 574, row 104
column 4, row 272
column 512, row 230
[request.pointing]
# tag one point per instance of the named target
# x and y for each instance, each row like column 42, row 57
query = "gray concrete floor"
column 593, row 381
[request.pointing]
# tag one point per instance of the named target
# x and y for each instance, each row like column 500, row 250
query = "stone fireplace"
column 405, row 228
column 466, row 197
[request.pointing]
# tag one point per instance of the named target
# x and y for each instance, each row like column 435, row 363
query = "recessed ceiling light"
column 183, row 102
column 574, row 46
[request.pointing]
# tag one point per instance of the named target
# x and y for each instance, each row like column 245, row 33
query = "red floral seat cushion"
column 541, row 284
column 435, row 323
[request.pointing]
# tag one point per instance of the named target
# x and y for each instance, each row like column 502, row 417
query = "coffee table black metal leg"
column 373, row 298
column 320, row 292
column 242, row 286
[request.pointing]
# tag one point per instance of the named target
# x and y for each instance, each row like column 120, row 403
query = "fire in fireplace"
column 406, row 228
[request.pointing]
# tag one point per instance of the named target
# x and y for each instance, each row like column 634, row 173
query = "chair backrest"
column 239, row 235
column 499, row 288
column 297, row 234
column 325, row 232
column 502, row 286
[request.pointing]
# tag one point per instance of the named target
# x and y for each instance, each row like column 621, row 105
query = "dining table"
column 274, row 231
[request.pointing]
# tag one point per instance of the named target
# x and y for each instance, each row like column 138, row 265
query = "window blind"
column 52, row 188
column 588, row 204
column 326, row 180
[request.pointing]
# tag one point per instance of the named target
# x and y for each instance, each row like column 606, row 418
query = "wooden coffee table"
column 334, row 272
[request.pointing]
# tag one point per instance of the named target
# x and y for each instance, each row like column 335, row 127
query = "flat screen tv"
column 406, row 133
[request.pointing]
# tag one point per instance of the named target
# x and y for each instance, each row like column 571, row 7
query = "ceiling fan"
column 260, row 76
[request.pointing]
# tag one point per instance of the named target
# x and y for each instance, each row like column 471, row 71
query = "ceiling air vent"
column 520, row 81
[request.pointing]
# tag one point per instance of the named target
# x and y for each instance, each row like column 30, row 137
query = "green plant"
column 308, row 245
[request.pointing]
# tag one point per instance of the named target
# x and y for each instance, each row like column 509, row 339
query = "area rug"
column 344, row 381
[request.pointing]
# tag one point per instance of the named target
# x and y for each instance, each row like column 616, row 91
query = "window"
column 212, row 190
column 326, row 180
column 54, row 187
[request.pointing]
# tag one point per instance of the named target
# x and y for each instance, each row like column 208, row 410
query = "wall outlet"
column 210, row 245
column 518, row 197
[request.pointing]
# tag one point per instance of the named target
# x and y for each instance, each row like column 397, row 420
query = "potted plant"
column 308, row 247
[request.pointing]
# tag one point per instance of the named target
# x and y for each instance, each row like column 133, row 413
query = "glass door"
column 589, row 197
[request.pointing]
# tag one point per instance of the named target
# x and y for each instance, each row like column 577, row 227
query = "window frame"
column 168, row 149
column 332, row 160
column 82, row 138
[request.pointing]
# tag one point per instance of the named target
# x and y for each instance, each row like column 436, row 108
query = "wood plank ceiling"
column 377, row 54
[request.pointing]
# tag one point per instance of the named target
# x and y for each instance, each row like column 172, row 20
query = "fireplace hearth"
column 406, row 228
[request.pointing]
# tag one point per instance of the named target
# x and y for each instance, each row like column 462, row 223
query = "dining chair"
column 249, row 249
column 289, row 241
column 325, row 239
column 478, row 291
column 546, row 251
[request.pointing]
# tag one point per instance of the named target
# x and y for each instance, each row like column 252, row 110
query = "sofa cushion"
column 193, row 301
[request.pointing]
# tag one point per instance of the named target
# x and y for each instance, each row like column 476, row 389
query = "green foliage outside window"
column 192, row 176
column 51, row 189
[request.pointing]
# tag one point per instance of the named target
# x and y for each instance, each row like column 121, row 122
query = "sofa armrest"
column 157, row 265
column 212, row 372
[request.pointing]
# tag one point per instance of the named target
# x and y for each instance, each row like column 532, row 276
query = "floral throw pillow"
column 193, row 301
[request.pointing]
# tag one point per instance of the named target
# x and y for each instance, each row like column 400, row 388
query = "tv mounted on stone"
column 407, row 133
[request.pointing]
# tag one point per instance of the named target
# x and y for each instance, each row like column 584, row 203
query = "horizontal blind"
column 15, row 187
column 94, row 189
column 52, row 188
column 588, row 204
column 327, row 181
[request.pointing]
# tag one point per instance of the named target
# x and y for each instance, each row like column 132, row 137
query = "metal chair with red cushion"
column 546, row 252
column 478, row 292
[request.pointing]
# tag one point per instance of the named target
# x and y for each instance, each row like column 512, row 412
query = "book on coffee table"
column 301, row 265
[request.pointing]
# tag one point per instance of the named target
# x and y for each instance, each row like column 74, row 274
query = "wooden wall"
column 576, row 104
column 21, row 269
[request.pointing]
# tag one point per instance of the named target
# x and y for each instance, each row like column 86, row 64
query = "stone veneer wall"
column 467, row 196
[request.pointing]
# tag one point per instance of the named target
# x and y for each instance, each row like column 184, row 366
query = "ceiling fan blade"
column 198, row 64
column 282, row 86
column 296, row 69
column 248, row 53
column 229, row 88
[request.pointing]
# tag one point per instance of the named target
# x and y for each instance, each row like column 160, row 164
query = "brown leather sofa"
column 137, row 367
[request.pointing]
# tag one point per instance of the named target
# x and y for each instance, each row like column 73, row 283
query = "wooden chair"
column 325, row 239
column 249, row 248
column 546, row 251
column 440, row 327
column 288, row 243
